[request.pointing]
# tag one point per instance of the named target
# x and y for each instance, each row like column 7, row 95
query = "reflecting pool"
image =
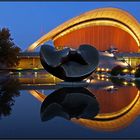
column 38, row 105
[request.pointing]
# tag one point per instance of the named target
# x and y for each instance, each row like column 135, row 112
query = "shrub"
column 137, row 73
column 117, row 70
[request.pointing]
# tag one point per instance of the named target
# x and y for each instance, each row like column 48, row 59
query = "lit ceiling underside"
column 103, row 16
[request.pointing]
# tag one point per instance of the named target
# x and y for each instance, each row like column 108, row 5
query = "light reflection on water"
column 103, row 108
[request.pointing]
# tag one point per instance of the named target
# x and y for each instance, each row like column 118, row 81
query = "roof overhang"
column 102, row 16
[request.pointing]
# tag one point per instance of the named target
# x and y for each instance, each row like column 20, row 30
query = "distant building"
column 31, row 60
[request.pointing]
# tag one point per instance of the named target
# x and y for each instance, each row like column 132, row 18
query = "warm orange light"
column 125, row 70
column 103, row 79
column 107, row 79
column 102, row 69
column 133, row 71
column 125, row 83
column 133, row 84
column 107, row 69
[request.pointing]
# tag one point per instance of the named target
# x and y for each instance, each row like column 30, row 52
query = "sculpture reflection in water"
column 69, row 103
column 8, row 91
column 69, row 64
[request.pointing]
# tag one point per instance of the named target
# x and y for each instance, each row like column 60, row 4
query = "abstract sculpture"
column 69, row 64
column 69, row 103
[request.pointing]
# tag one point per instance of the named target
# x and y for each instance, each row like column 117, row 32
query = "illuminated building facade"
column 103, row 28
column 117, row 110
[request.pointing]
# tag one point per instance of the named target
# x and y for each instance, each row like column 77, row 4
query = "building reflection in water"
column 117, row 108
column 8, row 91
column 111, row 110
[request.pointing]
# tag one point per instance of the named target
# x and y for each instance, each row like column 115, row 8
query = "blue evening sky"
column 28, row 21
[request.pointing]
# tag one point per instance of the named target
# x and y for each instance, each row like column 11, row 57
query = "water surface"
column 116, row 108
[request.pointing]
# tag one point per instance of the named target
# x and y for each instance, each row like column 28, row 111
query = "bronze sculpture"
column 69, row 64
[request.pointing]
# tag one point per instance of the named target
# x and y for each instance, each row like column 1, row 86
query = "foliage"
column 8, row 91
column 116, row 81
column 137, row 73
column 137, row 83
column 117, row 70
column 8, row 50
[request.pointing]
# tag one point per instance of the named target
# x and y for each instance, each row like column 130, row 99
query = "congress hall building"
column 114, row 32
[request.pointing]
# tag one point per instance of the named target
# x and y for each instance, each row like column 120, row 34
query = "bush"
column 137, row 73
column 117, row 70
column 116, row 81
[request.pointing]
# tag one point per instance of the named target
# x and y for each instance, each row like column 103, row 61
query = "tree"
column 8, row 92
column 8, row 49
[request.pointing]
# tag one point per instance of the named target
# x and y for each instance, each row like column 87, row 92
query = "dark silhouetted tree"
column 8, row 49
column 8, row 91
column 137, row 73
